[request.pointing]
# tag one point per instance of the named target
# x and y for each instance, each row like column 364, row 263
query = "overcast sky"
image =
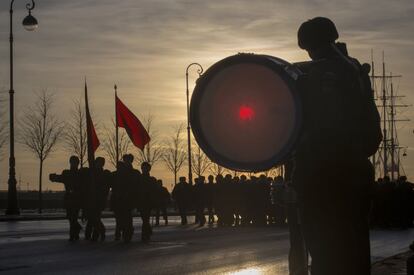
column 145, row 46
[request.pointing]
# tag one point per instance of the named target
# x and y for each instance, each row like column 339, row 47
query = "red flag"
column 126, row 119
column 93, row 141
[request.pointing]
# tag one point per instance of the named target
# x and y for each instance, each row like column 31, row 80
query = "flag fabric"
column 93, row 141
column 127, row 120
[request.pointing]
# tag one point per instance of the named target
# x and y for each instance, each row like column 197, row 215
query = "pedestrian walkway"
column 395, row 265
column 33, row 215
column 58, row 214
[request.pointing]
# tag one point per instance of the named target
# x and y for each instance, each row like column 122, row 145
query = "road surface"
column 33, row 247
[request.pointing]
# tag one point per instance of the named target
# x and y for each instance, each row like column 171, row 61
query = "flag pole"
column 88, row 127
column 116, row 128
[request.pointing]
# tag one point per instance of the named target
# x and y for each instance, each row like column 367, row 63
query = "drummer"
column 341, row 130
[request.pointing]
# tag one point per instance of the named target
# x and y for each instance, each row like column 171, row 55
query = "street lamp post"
column 30, row 24
column 199, row 71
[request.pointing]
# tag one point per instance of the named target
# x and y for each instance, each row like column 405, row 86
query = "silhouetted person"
column 135, row 178
column 260, row 196
column 147, row 200
column 243, row 197
column 332, row 174
column 98, row 185
column 404, row 200
column 162, row 199
column 210, row 198
column 88, row 200
column 181, row 195
column 248, row 191
column 219, row 200
column 279, row 205
column 236, row 200
column 135, row 175
column 376, row 218
column 200, row 199
column 225, row 200
column 389, row 201
column 72, row 199
column 122, row 202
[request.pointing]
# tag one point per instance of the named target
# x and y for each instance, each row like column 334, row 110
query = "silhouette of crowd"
column 393, row 203
column 227, row 200
column 233, row 200
column 87, row 191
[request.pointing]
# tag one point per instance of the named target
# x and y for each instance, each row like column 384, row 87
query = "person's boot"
column 95, row 235
column 146, row 232
column 71, row 235
column 77, row 232
column 203, row 221
column 103, row 236
column 117, row 233
column 88, row 232
column 145, row 236
column 127, row 235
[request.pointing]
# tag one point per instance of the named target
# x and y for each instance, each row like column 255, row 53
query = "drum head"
column 245, row 112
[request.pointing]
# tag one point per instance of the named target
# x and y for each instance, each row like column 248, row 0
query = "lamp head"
column 30, row 23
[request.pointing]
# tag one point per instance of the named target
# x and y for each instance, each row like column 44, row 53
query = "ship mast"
column 384, row 118
column 388, row 162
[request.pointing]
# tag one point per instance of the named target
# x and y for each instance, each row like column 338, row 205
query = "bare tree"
column 153, row 150
column 109, row 143
column 216, row 169
column 174, row 153
column 75, row 134
column 272, row 172
column 200, row 161
column 234, row 173
column 40, row 131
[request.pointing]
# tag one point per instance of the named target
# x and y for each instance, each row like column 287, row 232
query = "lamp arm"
column 30, row 6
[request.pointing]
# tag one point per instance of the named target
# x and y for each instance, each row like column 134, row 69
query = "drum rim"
column 270, row 62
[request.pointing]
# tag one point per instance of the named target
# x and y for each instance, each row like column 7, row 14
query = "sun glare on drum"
column 246, row 113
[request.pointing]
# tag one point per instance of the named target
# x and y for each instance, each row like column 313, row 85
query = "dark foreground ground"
column 33, row 247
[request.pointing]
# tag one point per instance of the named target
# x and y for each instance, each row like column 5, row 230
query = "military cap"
column 316, row 32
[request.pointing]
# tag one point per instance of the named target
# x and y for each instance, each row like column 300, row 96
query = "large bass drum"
column 245, row 112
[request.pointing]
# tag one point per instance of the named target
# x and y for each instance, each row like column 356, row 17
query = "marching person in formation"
column 210, row 188
column 73, row 195
column 96, row 185
column 135, row 179
column 219, row 200
column 181, row 195
column 404, row 203
column 235, row 201
column 341, row 130
column 122, row 202
column 279, row 206
column 147, row 200
column 243, row 193
column 162, row 199
column 200, row 200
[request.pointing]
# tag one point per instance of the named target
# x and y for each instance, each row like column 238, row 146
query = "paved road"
column 33, row 247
